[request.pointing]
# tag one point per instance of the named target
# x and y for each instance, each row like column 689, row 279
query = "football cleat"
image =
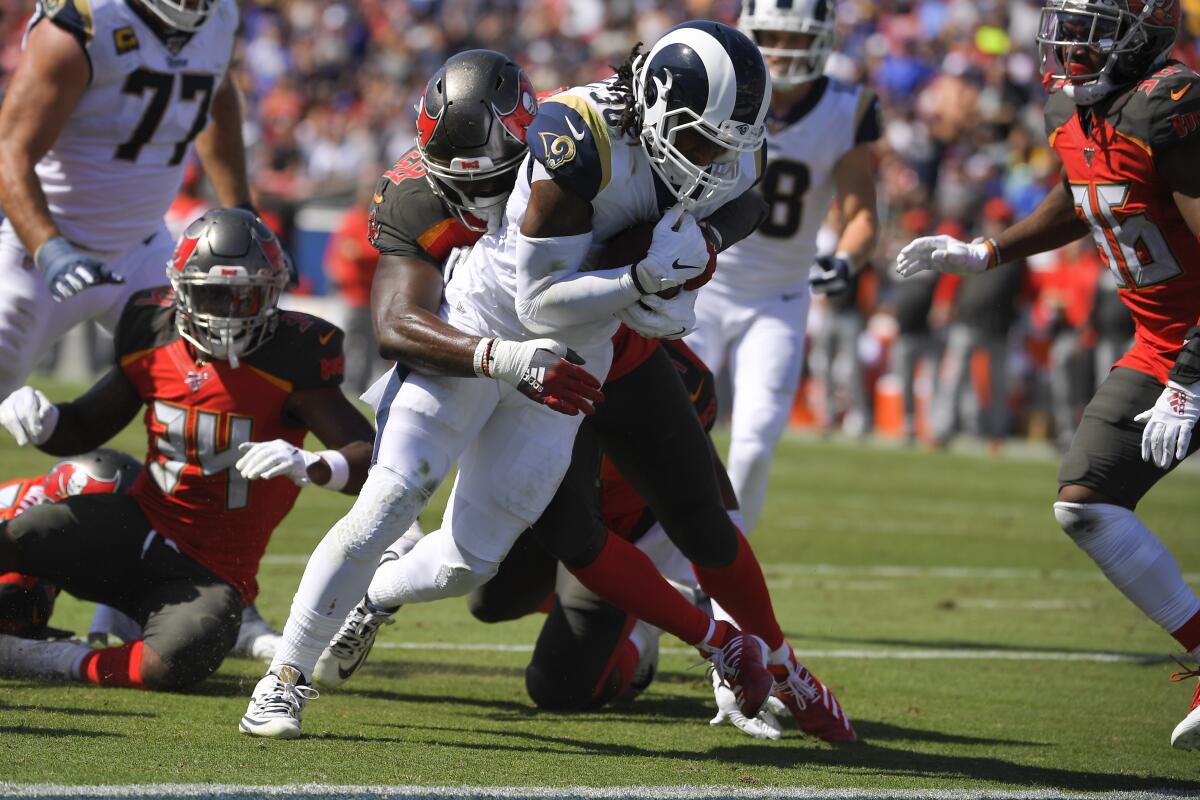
column 739, row 661
column 1186, row 735
column 646, row 637
column 348, row 649
column 810, row 702
column 256, row 638
column 276, row 705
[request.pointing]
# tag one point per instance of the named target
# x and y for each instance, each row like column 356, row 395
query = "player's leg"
column 24, row 311
column 522, row 585
column 766, row 363
column 585, row 656
column 716, row 326
column 1102, row 479
column 951, row 381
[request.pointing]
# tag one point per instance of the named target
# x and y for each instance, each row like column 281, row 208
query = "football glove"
column 675, row 256
column 29, row 416
column 545, row 371
column 765, row 726
column 274, row 459
column 944, row 254
column 1169, row 424
column 830, row 275
column 657, row 318
column 67, row 271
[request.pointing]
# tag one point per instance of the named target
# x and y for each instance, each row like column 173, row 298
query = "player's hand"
column 67, row 271
column 675, row 256
column 657, row 318
column 765, row 726
column 944, row 254
column 274, row 459
column 545, row 371
column 830, row 275
column 29, row 416
column 1169, row 424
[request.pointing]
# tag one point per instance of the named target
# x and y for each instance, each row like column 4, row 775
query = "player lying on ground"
column 647, row 423
column 230, row 388
column 508, row 476
column 95, row 130
column 1123, row 119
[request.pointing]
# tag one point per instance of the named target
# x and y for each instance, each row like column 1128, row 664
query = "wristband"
column 994, row 249
column 482, row 359
column 339, row 470
column 54, row 248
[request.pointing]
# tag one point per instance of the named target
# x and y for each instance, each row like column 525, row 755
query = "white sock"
column 1133, row 559
column 340, row 569
column 32, row 658
column 433, row 569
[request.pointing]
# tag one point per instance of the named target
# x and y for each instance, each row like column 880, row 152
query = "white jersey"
column 799, row 187
column 575, row 140
column 118, row 162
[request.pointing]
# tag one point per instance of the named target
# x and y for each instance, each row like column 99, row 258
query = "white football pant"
column 761, row 344
column 31, row 322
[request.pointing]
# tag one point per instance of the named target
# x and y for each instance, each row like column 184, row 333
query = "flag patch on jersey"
column 125, row 39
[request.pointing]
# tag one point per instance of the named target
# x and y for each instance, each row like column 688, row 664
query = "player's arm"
column 1053, row 224
column 221, row 149
column 735, row 220
column 338, row 424
column 854, row 177
column 71, row 428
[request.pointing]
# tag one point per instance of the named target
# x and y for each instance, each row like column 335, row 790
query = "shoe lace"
column 726, row 661
column 1185, row 672
column 287, row 698
column 358, row 631
column 800, row 686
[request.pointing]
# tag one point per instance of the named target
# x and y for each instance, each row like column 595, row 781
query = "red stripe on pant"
column 114, row 666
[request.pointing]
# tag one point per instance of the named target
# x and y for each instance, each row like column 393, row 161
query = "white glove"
column 266, row 460
column 675, row 256
column 655, row 317
column 764, row 726
column 944, row 254
column 29, row 416
column 1169, row 424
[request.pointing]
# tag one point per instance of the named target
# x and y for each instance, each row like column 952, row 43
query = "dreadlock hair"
column 631, row 120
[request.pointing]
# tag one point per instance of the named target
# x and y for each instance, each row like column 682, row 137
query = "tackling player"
column 750, row 319
column 97, row 123
column 1126, row 123
column 230, row 387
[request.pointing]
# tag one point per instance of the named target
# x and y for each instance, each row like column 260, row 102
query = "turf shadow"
column 407, row 669
column 57, row 733
column 884, row 731
column 76, row 712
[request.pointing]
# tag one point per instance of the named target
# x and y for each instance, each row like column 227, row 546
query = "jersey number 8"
column 784, row 184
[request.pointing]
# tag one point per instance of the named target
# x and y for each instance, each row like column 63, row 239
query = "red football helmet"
column 1090, row 47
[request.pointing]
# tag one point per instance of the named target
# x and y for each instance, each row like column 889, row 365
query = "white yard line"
column 317, row 792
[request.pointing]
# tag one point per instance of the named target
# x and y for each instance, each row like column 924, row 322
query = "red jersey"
column 198, row 412
column 1109, row 153
column 625, row 512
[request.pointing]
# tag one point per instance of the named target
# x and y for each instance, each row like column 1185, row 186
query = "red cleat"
column 1186, row 735
column 740, row 661
column 814, row 707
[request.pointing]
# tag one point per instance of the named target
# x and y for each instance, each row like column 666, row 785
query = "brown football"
column 629, row 247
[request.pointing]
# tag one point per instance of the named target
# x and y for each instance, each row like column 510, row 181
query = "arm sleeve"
column 738, row 218
column 868, row 119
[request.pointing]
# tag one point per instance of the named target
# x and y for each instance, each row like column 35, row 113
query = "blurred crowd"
column 330, row 88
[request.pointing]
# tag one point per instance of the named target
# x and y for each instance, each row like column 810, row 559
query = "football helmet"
column 703, row 87
column 471, row 124
column 101, row 471
column 228, row 272
column 188, row 16
column 812, row 17
column 1127, row 39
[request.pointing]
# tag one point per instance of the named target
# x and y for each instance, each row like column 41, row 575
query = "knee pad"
column 1083, row 520
column 386, row 506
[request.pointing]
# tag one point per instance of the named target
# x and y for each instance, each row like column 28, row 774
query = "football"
column 631, row 246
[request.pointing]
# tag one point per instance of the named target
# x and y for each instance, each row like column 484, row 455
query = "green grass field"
column 935, row 594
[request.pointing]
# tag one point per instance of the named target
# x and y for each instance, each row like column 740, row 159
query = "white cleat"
column 276, row 705
column 1186, row 735
column 348, row 649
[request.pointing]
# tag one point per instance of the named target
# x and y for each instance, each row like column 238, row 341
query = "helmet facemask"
column 188, row 16
column 474, row 188
column 228, row 313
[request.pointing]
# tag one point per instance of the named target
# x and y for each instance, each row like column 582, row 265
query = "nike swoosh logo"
column 346, row 673
column 578, row 136
column 378, row 198
column 696, row 394
column 1177, row 96
column 325, row 337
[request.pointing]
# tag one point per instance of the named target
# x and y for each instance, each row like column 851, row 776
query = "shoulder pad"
column 1164, row 108
column 73, row 16
column 404, row 210
column 571, row 140
column 304, row 353
column 147, row 322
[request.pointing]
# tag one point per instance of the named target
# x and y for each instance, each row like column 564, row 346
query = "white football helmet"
column 188, row 16
column 708, row 82
column 813, row 17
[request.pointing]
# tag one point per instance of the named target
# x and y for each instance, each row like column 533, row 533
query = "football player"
column 229, row 387
column 538, row 275
column 102, row 111
column 1125, row 120
column 751, row 318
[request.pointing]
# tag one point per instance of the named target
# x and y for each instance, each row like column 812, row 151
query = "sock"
column 114, row 666
column 1137, row 563
column 34, row 658
column 626, row 577
column 1188, row 635
column 741, row 589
